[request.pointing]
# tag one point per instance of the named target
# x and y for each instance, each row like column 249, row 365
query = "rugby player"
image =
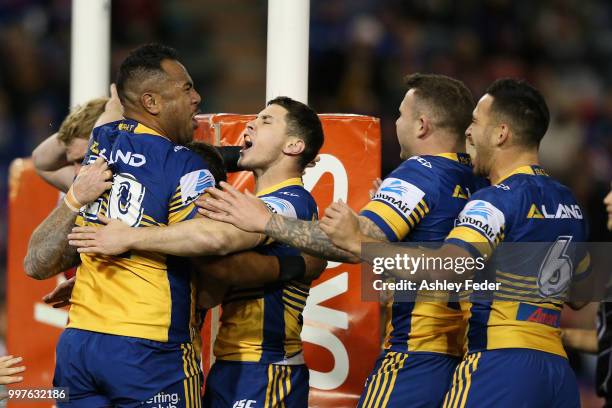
column 128, row 340
column 418, row 201
column 258, row 348
column 515, row 356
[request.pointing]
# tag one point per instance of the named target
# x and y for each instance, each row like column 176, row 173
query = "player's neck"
column 506, row 163
column 144, row 120
column 440, row 144
column 272, row 176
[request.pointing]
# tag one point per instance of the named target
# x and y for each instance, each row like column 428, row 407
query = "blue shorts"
column 255, row 385
column 104, row 370
column 513, row 378
column 409, row 380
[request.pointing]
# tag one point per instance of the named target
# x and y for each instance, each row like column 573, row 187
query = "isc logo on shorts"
column 244, row 404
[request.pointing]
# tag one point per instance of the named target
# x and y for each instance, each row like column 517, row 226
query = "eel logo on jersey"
column 280, row 206
column 125, row 199
column 399, row 194
column 193, row 184
column 484, row 217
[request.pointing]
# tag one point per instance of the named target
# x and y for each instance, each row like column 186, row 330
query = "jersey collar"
column 296, row 181
column 462, row 158
column 532, row 170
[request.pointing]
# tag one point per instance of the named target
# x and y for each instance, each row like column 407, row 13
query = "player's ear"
column 294, row 146
column 501, row 134
column 151, row 102
column 422, row 127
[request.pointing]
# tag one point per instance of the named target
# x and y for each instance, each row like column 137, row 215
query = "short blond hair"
column 80, row 122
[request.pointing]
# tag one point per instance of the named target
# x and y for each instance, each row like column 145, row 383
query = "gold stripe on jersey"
column 178, row 216
column 466, row 234
column 237, row 341
column 398, row 225
column 444, row 334
column 509, row 275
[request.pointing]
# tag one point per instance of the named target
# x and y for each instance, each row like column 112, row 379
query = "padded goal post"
column 341, row 333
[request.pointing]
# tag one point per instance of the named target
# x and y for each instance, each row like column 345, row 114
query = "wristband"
column 71, row 201
column 230, row 156
column 291, row 268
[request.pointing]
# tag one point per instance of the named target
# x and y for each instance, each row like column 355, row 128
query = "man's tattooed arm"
column 48, row 250
column 308, row 237
column 372, row 230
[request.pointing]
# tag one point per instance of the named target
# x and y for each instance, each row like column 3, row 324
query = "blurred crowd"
column 359, row 52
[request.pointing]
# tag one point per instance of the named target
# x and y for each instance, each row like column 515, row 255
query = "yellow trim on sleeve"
column 179, row 216
column 393, row 220
column 468, row 235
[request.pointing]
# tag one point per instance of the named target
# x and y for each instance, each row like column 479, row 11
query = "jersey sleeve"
column 193, row 177
column 480, row 226
column 402, row 201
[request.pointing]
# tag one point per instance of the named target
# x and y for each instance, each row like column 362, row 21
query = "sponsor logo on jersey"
column 483, row 217
column 531, row 313
column 563, row 211
column 422, row 161
column 280, row 206
column 400, row 194
column 193, row 184
column 129, row 158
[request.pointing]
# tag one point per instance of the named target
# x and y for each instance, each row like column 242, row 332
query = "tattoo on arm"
column 48, row 250
column 307, row 237
column 372, row 230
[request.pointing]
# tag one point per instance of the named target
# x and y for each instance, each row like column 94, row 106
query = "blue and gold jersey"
column 525, row 206
column 419, row 202
column 140, row 294
column 263, row 324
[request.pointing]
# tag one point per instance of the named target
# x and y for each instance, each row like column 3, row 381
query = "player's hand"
column 92, row 180
column 245, row 211
column 60, row 296
column 8, row 371
column 113, row 238
column 375, row 186
column 341, row 224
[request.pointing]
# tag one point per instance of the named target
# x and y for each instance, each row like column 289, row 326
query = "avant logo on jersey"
column 280, row 206
column 399, row 194
column 483, row 217
column 193, row 184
